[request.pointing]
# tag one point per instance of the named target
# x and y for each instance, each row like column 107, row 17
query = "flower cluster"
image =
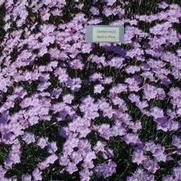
column 106, row 110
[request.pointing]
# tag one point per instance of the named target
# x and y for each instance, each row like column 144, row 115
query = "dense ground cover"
column 72, row 110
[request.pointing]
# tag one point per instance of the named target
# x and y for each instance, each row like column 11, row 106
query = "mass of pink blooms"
column 49, row 74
